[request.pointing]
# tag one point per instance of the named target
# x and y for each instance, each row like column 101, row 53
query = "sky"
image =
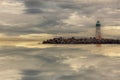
column 43, row 18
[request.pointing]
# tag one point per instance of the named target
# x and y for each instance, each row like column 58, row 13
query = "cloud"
column 20, row 17
column 11, row 7
column 32, row 6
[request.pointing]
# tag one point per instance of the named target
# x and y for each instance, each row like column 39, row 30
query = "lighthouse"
column 98, row 30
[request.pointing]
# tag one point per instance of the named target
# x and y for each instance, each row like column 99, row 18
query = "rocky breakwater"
column 91, row 40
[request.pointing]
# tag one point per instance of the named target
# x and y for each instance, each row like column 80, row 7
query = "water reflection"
column 30, row 75
column 33, row 61
column 10, row 75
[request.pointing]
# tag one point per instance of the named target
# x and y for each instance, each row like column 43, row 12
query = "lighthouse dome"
column 98, row 24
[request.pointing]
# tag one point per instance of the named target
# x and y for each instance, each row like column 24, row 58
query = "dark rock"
column 73, row 40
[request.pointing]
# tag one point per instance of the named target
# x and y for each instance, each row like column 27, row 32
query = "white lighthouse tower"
column 98, row 30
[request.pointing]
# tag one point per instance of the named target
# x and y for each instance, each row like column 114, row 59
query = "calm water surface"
column 32, row 61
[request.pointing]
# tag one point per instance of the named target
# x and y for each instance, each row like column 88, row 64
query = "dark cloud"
column 70, row 5
column 48, row 16
column 33, row 6
column 33, row 11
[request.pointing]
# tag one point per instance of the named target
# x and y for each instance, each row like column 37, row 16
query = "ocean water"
column 33, row 61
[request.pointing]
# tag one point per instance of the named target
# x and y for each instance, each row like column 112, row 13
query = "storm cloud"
column 19, row 17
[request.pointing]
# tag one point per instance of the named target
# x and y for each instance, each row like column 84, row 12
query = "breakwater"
column 72, row 40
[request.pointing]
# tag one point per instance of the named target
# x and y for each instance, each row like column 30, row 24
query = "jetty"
column 98, row 39
column 73, row 40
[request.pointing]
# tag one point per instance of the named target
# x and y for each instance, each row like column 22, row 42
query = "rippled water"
column 33, row 61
